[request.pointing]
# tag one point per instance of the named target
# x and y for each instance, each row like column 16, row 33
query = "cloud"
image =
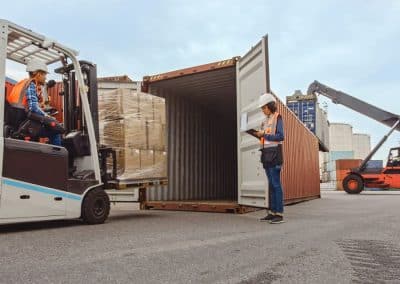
column 349, row 45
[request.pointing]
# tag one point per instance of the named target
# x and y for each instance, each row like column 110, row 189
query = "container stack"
column 133, row 123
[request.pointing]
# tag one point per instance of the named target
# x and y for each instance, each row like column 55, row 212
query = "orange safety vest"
column 17, row 96
column 269, row 127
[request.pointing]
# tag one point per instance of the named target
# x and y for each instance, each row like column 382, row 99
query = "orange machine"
column 361, row 177
column 388, row 177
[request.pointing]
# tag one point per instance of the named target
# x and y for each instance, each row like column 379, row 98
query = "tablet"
column 252, row 132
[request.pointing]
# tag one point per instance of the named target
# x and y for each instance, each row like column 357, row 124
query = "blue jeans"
column 275, row 189
column 54, row 138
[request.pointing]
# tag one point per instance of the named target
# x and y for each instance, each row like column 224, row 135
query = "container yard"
column 199, row 142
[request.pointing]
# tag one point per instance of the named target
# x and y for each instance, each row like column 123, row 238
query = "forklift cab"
column 41, row 181
column 394, row 158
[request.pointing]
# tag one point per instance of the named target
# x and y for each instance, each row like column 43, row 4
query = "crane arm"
column 338, row 97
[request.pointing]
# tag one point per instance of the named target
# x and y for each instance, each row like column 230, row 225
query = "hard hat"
column 265, row 99
column 36, row 65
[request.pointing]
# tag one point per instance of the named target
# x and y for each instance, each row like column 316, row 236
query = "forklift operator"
column 28, row 94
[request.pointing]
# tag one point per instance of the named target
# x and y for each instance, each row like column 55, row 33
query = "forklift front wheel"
column 95, row 207
column 353, row 184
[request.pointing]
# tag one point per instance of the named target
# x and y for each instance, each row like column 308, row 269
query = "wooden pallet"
column 121, row 185
column 200, row 206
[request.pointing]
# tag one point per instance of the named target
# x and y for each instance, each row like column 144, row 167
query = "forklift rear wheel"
column 353, row 184
column 96, row 207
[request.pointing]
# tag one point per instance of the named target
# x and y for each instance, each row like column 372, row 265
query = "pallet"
column 200, row 206
column 121, row 185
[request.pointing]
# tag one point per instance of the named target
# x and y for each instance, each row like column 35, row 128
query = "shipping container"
column 322, row 125
column 106, row 84
column 375, row 164
column 57, row 100
column 309, row 111
column 361, row 145
column 9, row 84
column 8, row 88
column 210, row 157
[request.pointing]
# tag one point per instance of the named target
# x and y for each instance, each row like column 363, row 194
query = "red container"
column 9, row 87
column 56, row 100
column 202, row 126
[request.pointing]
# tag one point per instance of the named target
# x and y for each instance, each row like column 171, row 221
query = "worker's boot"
column 267, row 218
column 278, row 219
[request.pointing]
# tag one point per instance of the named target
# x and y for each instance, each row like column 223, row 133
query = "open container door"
column 252, row 81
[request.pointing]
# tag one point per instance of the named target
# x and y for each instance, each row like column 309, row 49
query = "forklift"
column 40, row 181
column 362, row 177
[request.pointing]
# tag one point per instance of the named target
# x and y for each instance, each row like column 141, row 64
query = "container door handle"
column 24, row 196
column 57, row 198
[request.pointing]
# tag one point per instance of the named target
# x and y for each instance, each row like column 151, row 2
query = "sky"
column 352, row 46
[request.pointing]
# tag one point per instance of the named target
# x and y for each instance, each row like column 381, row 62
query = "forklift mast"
column 338, row 97
column 73, row 119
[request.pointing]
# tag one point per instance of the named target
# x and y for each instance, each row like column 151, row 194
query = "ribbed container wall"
column 201, row 165
column 202, row 138
column 306, row 112
column 300, row 174
column 9, row 86
column 323, row 166
column 57, row 101
column 321, row 125
column 361, row 145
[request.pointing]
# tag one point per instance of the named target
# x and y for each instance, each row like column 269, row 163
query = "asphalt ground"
column 337, row 239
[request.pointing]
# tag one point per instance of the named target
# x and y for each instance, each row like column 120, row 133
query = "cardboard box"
column 146, row 109
column 119, row 103
column 155, row 134
column 160, row 163
column 134, row 125
column 135, row 133
column 146, row 159
column 132, row 160
column 113, row 133
column 159, row 110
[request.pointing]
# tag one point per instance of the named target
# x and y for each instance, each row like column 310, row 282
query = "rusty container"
column 9, row 87
column 202, row 130
column 57, row 100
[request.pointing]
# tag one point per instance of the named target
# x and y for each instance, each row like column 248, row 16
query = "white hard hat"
column 36, row 65
column 265, row 99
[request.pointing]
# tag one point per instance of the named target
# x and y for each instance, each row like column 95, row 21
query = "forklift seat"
column 13, row 118
column 19, row 124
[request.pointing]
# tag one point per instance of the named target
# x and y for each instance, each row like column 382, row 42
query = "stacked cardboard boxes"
column 133, row 123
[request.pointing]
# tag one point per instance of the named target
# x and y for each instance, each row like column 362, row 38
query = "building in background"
column 361, row 145
column 344, row 144
column 315, row 118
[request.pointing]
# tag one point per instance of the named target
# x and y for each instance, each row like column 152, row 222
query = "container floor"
column 216, row 206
